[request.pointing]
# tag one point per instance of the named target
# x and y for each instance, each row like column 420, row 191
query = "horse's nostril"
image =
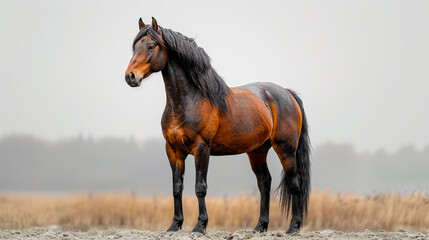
column 130, row 77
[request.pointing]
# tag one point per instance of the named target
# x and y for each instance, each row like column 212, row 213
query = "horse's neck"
column 178, row 87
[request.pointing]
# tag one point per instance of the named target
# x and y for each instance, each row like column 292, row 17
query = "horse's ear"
column 141, row 24
column 154, row 24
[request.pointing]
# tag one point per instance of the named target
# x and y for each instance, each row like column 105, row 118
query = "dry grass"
column 345, row 212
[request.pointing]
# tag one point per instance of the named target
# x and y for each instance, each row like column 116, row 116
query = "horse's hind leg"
column 290, row 185
column 258, row 161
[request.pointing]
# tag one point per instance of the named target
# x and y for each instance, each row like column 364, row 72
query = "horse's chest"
column 184, row 129
column 178, row 135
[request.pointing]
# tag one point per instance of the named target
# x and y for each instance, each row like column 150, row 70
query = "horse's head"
column 149, row 53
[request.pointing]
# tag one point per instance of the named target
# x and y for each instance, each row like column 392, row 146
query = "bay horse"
column 203, row 117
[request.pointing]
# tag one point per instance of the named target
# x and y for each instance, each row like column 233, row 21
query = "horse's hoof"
column 261, row 227
column 198, row 230
column 200, row 227
column 294, row 226
column 174, row 228
column 292, row 230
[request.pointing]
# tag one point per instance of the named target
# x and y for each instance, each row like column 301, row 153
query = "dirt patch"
column 46, row 233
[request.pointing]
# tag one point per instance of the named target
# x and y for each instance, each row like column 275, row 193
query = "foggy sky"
column 361, row 67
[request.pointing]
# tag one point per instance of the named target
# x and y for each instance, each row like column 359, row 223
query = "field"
column 342, row 212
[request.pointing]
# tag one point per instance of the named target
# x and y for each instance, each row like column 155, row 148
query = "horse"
column 203, row 117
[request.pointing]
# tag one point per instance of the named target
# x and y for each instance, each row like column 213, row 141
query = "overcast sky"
column 361, row 67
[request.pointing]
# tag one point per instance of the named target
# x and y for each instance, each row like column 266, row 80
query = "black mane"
column 196, row 64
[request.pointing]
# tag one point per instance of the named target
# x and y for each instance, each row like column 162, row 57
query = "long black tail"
column 303, row 154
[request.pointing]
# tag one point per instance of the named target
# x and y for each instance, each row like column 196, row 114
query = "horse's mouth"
column 134, row 84
column 137, row 82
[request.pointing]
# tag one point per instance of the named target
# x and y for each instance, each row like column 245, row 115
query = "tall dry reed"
column 345, row 212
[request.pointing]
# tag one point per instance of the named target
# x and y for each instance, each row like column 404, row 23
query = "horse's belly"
column 237, row 139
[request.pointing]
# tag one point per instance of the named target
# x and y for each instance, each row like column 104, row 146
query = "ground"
column 57, row 233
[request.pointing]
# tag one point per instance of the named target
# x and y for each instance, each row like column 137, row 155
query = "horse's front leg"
column 177, row 163
column 202, row 155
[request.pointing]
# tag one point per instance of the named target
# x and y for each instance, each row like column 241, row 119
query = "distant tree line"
column 29, row 164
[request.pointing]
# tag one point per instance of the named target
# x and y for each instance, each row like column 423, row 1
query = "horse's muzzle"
column 132, row 81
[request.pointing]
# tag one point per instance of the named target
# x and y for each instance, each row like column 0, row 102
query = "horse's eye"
column 151, row 47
